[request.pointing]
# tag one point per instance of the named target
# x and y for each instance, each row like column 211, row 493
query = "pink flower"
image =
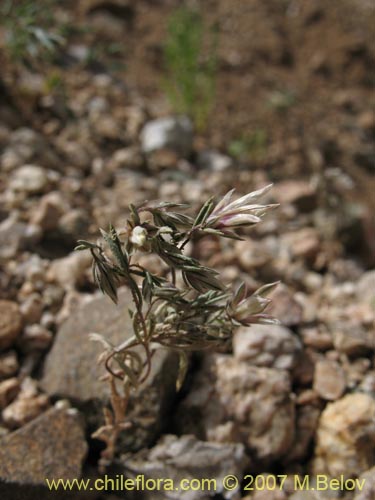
column 241, row 212
column 249, row 310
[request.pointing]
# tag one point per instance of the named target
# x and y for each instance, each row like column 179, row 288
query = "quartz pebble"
column 174, row 133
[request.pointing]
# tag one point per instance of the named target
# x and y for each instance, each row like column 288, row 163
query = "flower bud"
column 138, row 236
column 249, row 310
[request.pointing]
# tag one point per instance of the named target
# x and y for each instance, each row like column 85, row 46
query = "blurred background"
column 284, row 88
column 106, row 103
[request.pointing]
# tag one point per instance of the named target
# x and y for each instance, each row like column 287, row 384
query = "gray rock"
column 71, row 369
column 174, row 133
column 187, row 458
column 78, row 376
column 267, row 345
column 257, row 401
column 54, row 445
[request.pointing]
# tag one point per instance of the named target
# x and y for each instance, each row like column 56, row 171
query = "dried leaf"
column 182, row 369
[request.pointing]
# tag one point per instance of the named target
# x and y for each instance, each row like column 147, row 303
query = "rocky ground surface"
column 292, row 399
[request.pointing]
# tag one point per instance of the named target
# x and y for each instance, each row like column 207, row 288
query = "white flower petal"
column 223, row 202
column 239, row 220
column 250, row 197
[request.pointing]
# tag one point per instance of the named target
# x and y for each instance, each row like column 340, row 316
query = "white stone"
column 174, row 133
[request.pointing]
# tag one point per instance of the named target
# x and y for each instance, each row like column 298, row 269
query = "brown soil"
column 301, row 72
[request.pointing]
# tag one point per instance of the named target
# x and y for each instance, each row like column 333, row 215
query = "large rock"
column 233, row 401
column 175, row 133
column 186, row 458
column 267, row 345
column 71, row 369
column 52, row 446
column 346, row 437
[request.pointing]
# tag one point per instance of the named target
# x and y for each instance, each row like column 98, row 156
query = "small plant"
column 250, row 146
column 188, row 309
column 190, row 75
column 28, row 34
